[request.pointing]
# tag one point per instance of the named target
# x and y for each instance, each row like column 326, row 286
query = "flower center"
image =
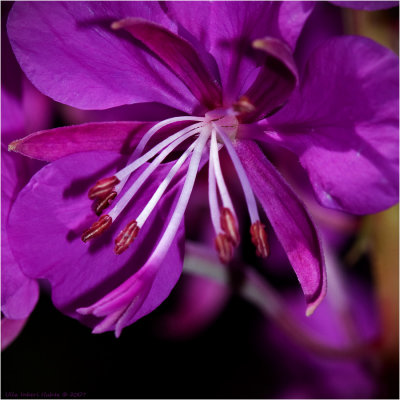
column 217, row 129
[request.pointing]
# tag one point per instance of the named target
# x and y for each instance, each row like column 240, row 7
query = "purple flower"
column 228, row 71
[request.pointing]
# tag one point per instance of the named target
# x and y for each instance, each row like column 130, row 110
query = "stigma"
column 203, row 138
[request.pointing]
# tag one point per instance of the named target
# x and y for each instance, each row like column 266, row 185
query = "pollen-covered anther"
column 229, row 225
column 103, row 187
column 97, row 228
column 224, row 247
column 103, row 203
column 260, row 239
column 126, row 237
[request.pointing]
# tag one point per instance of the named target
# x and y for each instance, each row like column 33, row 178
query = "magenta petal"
column 226, row 29
column 53, row 210
column 12, row 116
column 275, row 80
column 343, row 124
column 70, row 53
column 325, row 22
column 50, row 145
column 290, row 221
column 141, row 293
column 19, row 293
column 179, row 55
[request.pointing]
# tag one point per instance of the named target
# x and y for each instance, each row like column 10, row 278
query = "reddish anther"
column 224, row 247
column 103, row 187
column 260, row 239
column 104, row 203
column 229, row 225
column 126, row 237
column 97, row 228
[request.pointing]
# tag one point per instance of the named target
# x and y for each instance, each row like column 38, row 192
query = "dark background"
column 240, row 355
column 57, row 354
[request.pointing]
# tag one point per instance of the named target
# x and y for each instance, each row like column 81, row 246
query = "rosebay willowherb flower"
column 229, row 72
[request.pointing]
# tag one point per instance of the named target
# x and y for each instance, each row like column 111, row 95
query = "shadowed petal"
column 325, row 22
column 53, row 210
column 10, row 329
column 290, row 221
column 275, row 80
column 12, row 116
column 179, row 55
column 69, row 51
column 22, row 108
column 143, row 112
column 19, row 293
column 49, row 145
column 343, row 124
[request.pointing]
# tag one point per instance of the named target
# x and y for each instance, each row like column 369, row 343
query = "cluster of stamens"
column 216, row 129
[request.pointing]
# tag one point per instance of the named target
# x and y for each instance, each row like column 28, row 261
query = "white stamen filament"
column 151, row 153
column 223, row 190
column 141, row 219
column 248, row 191
column 213, row 197
column 121, row 204
column 173, row 224
column 147, row 136
column 121, row 184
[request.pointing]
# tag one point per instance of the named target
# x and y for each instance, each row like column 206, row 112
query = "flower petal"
column 19, row 293
column 24, row 108
column 52, row 144
column 290, row 221
column 227, row 29
column 179, row 55
column 143, row 112
column 343, row 125
column 10, row 329
column 275, row 81
column 70, row 53
column 325, row 22
column 53, row 210
column 12, row 116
